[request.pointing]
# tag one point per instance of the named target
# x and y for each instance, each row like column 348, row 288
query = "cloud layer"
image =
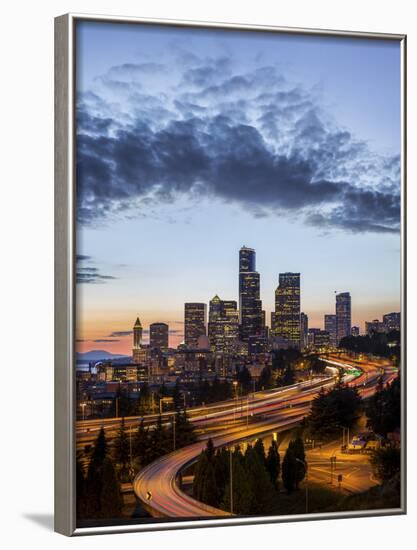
column 150, row 133
column 89, row 274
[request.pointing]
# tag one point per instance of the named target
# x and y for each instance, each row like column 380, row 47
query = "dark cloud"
column 249, row 139
column 121, row 333
column 89, row 274
column 105, row 340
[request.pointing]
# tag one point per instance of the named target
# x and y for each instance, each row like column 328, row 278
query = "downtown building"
column 287, row 316
column 251, row 316
column 330, row 327
column 195, row 324
column 137, row 351
column 158, row 336
column 392, row 321
column 223, row 326
column 343, row 316
column 303, row 330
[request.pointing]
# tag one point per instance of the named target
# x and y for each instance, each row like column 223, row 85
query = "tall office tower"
column 230, row 326
column 194, row 323
column 158, row 336
column 287, row 309
column 303, row 330
column 223, row 328
column 250, row 304
column 343, row 315
column 330, row 327
column 392, row 321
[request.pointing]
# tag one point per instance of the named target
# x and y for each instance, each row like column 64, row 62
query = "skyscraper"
column 137, row 341
column 223, row 327
column 158, row 336
column 330, row 327
column 392, row 321
column 303, row 330
column 137, row 334
column 250, row 304
column 287, row 309
column 195, row 315
column 343, row 315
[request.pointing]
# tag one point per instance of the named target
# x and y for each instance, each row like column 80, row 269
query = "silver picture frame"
column 65, row 226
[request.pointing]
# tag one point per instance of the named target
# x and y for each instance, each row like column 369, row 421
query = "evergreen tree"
column 261, row 487
column 81, row 490
column 384, row 408
column 333, row 410
column 210, row 450
column 273, row 464
column 199, row 475
column 299, row 454
column 289, row 469
column 386, row 463
column 260, row 450
column 141, row 443
column 110, row 497
column 221, row 471
column 185, row 434
column 266, row 380
column 242, row 490
column 121, row 447
column 160, row 443
column 177, row 396
column 100, row 448
column 208, row 490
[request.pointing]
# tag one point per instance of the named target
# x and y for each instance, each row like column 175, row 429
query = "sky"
column 192, row 143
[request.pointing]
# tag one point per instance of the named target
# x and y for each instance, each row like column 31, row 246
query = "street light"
column 306, row 482
column 83, row 406
column 231, row 479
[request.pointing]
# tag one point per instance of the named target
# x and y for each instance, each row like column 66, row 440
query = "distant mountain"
column 97, row 355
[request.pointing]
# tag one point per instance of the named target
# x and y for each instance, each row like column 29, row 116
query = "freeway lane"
column 156, row 485
column 227, row 412
column 159, row 478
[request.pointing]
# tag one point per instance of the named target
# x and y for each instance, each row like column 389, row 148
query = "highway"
column 156, row 485
column 210, row 416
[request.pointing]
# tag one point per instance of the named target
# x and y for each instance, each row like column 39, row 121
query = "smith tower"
column 250, row 305
column 137, row 339
column 287, row 320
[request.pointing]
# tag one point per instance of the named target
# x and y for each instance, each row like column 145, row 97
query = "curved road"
column 156, row 485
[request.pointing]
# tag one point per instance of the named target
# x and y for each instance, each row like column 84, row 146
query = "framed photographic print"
column 230, row 288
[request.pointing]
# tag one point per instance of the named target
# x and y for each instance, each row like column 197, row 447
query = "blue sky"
column 193, row 143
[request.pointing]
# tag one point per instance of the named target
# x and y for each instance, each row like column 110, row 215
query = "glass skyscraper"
column 223, row 327
column 195, row 315
column 330, row 327
column 287, row 321
column 343, row 315
column 250, row 304
column 158, row 336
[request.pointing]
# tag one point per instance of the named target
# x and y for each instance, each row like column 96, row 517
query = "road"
column 156, row 485
column 213, row 415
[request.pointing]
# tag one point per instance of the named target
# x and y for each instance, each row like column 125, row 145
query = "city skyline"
column 202, row 313
column 309, row 178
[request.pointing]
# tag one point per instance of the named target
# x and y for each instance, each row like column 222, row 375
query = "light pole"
column 235, row 384
column 173, row 429
column 247, row 412
column 130, row 449
column 231, row 479
column 306, row 482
